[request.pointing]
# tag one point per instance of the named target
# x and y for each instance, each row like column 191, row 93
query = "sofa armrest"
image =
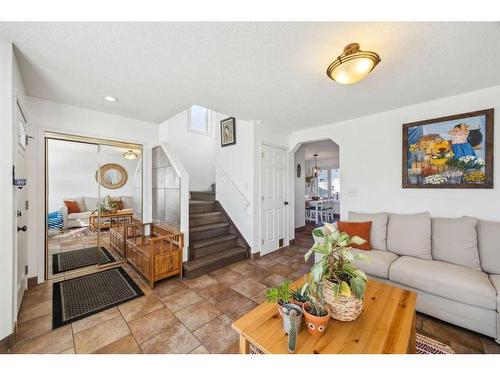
column 64, row 211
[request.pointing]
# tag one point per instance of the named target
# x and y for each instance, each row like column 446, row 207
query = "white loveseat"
column 452, row 264
column 88, row 205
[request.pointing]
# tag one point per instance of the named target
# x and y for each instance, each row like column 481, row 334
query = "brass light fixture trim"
column 352, row 65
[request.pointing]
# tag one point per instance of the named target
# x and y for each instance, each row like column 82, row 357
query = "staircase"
column 214, row 241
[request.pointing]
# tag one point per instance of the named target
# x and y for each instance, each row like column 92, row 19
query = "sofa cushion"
column 79, row 201
column 446, row 280
column 90, row 203
column 379, row 262
column 379, row 227
column 488, row 235
column 410, row 234
column 455, row 241
column 128, row 202
column 79, row 215
column 495, row 280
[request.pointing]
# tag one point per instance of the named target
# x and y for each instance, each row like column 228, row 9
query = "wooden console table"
column 386, row 326
column 106, row 220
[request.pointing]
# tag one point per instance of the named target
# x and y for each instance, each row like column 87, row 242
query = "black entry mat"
column 72, row 260
column 83, row 296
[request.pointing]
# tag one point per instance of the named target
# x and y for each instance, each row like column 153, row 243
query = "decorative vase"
column 316, row 325
column 284, row 311
column 341, row 307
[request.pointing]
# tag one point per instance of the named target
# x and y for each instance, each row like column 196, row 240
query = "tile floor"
column 190, row 316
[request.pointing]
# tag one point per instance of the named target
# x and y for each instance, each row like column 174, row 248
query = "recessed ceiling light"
column 353, row 65
column 111, row 99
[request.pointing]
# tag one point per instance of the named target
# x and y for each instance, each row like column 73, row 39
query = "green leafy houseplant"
column 280, row 294
column 336, row 265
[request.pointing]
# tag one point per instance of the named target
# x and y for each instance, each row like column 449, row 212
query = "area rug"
column 83, row 296
column 425, row 345
column 72, row 260
column 80, row 232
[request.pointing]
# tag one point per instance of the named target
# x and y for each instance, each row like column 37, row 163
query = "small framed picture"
column 228, row 132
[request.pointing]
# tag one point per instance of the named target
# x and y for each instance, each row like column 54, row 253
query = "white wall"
column 197, row 151
column 50, row 116
column 370, row 158
column 235, row 164
column 300, row 187
column 6, row 188
column 72, row 170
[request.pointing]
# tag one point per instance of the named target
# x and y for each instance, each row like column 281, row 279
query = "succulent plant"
column 281, row 294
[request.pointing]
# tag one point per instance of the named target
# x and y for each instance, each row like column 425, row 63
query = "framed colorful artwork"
column 453, row 152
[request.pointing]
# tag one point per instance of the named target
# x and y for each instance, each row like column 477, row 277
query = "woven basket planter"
column 342, row 308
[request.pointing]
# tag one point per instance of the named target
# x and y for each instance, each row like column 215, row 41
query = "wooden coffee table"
column 386, row 325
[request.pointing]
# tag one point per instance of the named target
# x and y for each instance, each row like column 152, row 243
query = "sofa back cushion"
column 488, row 233
column 410, row 235
column 90, row 203
column 455, row 241
column 378, row 232
column 79, row 201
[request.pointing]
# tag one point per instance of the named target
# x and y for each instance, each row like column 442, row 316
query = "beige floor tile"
column 236, row 306
column 197, row 315
column 152, row 324
column 248, row 287
column 257, row 274
column 51, row 343
column 168, row 287
column 125, row 345
column 234, row 348
column 217, row 335
column 490, row 346
column 285, row 260
column 33, row 328
column 200, row 282
column 100, row 335
column 95, row 319
column 227, row 276
column 68, row 351
column 216, row 293
column 140, row 307
column 34, row 311
column 181, row 300
column 176, row 339
column 281, row 269
column 242, row 266
column 200, row 350
column 274, row 280
column 259, row 297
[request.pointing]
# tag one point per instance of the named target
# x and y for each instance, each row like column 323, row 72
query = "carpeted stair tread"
column 193, row 265
column 201, row 228
column 213, row 240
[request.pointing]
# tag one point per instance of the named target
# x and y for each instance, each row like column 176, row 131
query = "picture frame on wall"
column 228, row 132
column 452, row 152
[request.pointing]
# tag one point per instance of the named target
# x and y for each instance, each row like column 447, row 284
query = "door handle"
column 23, row 228
column 286, row 203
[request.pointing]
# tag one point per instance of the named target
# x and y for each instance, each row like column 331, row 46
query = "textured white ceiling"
column 325, row 149
column 274, row 72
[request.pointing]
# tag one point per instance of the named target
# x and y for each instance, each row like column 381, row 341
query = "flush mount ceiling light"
column 353, row 65
column 130, row 155
column 110, row 98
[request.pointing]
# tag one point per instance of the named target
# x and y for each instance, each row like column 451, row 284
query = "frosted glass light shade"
column 353, row 65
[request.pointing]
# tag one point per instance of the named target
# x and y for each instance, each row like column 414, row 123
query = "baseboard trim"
column 254, row 256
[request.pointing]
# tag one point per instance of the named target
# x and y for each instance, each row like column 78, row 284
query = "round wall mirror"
column 113, row 176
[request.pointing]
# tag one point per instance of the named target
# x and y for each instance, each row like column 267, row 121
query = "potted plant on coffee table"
column 316, row 313
column 282, row 296
column 343, row 286
column 301, row 295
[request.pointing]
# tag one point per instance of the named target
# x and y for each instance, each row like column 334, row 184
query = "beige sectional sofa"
column 452, row 263
column 88, row 205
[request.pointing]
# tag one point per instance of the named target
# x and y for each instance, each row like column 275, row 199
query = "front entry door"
column 274, row 205
column 21, row 246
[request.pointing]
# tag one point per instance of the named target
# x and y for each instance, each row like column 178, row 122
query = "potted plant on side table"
column 343, row 286
column 282, row 296
column 316, row 313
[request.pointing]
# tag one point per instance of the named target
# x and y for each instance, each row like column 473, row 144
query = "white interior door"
column 21, row 245
column 274, row 211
